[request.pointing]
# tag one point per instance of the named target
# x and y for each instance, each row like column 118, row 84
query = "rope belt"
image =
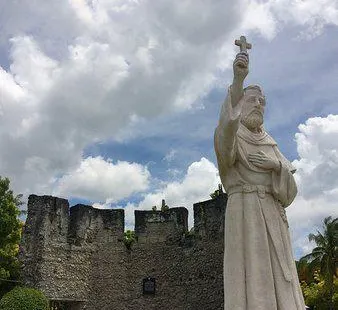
column 261, row 190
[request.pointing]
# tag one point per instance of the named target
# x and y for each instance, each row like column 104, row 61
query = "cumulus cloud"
column 269, row 17
column 317, row 144
column 83, row 71
column 316, row 176
column 314, row 14
column 260, row 18
column 99, row 180
column 120, row 61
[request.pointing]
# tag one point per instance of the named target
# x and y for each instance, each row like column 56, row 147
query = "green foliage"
column 164, row 208
column 10, row 234
column 321, row 263
column 129, row 239
column 316, row 295
column 217, row 192
column 23, row 298
column 304, row 273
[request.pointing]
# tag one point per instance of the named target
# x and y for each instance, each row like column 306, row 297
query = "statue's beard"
column 253, row 121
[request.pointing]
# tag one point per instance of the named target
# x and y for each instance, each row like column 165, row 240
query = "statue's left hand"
column 261, row 160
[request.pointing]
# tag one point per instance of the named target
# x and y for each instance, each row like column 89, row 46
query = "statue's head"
column 253, row 108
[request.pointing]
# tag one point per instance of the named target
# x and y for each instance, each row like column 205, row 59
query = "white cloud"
column 317, row 144
column 113, row 62
column 260, row 19
column 31, row 68
column 170, row 156
column 99, row 180
column 82, row 71
column 53, row 23
column 317, row 175
column 269, row 17
column 310, row 12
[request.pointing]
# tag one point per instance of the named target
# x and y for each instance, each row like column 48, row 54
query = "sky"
column 114, row 103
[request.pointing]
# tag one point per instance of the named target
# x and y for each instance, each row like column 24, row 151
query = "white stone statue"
column 259, row 268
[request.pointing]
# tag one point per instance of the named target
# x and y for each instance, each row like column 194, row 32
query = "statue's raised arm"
column 241, row 70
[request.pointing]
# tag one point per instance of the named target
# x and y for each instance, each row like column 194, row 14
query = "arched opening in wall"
column 66, row 305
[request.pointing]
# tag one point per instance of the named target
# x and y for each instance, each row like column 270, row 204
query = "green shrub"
column 129, row 239
column 23, row 298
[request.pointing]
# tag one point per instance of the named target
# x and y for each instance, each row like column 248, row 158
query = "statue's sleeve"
column 225, row 139
column 283, row 183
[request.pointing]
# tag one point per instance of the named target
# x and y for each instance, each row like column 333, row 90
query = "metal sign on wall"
column 149, row 286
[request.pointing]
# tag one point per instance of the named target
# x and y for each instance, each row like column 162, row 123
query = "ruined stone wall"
column 60, row 246
column 79, row 255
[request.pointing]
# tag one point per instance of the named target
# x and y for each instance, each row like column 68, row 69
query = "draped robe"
column 259, row 268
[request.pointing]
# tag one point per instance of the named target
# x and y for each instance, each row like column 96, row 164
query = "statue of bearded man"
column 259, row 268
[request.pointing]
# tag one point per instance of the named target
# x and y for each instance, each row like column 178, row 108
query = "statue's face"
column 253, row 109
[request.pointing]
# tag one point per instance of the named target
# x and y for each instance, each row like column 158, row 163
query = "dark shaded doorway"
column 65, row 305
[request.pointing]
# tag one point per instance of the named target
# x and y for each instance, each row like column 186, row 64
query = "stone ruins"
column 78, row 258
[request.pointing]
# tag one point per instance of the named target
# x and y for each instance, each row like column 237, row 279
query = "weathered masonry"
column 77, row 256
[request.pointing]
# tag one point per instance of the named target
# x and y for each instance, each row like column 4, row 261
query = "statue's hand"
column 261, row 160
column 241, row 66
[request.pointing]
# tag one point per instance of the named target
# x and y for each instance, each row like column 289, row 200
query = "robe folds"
column 259, row 268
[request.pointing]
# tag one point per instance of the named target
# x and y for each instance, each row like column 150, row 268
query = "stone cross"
column 243, row 45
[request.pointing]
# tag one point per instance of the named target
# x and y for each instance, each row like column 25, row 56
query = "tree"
column 10, row 234
column 324, row 257
column 315, row 294
column 304, row 272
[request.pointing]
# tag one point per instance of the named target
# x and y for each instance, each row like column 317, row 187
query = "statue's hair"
column 253, row 87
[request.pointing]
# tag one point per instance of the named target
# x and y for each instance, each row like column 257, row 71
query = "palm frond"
column 319, row 239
